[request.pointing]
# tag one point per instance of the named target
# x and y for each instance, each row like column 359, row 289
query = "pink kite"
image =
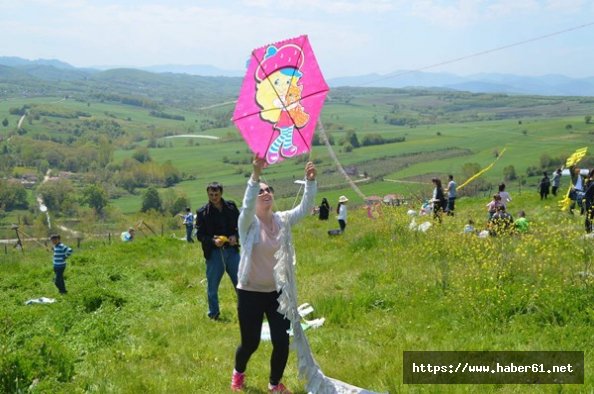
column 281, row 99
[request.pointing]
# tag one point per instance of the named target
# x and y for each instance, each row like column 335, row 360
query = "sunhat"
column 342, row 199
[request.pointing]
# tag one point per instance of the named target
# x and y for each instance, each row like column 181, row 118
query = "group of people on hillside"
column 341, row 212
column 443, row 200
column 500, row 221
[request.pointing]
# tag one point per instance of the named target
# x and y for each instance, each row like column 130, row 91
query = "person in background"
column 469, row 227
column 439, row 202
column 324, row 211
column 505, row 197
column 128, row 236
column 521, row 224
column 61, row 253
column 341, row 210
column 451, row 190
column 264, row 233
column 588, row 201
column 544, row 186
column 189, row 223
column 576, row 193
column 556, row 181
column 493, row 205
column 501, row 222
column 216, row 224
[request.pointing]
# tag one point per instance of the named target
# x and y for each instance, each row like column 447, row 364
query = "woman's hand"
column 310, row 171
column 258, row 163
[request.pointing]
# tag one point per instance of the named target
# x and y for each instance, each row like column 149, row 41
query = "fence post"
column 109, row 237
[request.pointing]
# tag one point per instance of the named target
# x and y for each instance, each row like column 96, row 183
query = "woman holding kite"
column 263, row 289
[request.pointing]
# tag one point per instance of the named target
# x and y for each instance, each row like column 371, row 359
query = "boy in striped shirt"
column 61, row 253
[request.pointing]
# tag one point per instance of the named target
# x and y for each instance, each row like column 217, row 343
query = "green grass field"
column 135, row 316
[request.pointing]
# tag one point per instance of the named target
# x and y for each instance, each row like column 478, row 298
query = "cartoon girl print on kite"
column 281, row 91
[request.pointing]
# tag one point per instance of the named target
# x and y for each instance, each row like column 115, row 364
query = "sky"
column 349, row 37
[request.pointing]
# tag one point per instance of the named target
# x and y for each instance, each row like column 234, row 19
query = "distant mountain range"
column 546, row 85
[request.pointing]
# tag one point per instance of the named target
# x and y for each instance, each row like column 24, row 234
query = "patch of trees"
column 165, row 115
column 30, row 153
column 401, row 120
column 94, row 127
column 133, row 174
column 509, row 173
column 143, row 102
column 377, row 139
column 38, row 111
column 216, row 121
column 151, row 201
column 317, row 140
column 19, row 111
column 59, row 196
column 13, row 195
column 96, row 197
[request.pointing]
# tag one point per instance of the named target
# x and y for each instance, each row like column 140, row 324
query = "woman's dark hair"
column 501, row 187
column 338, row 207
column 437, row 182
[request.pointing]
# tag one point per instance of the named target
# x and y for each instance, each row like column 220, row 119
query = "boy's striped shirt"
column 61, row 252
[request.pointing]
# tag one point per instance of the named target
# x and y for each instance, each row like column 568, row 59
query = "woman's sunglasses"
column 268, row 190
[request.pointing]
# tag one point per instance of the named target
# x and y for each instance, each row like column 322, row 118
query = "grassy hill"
column 135, row 316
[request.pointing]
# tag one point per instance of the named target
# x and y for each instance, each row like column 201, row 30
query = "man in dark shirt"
column 216, row 223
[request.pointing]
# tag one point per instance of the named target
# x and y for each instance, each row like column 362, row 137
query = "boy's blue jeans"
column 189, row 233
column 220, row 260
column 59, row 279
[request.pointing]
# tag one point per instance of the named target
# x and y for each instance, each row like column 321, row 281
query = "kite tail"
column 481, row 172
column 284, row 275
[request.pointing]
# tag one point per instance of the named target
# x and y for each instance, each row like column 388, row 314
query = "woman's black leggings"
column 251, row 308
column 342, row 224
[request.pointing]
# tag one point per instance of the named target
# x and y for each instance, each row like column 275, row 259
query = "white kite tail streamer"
column 338, row 165
column 284, row 274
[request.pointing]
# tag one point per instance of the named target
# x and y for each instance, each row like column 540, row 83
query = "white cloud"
column 462, row 13
column 505, row 8
column 566, row 6
column 327, row 6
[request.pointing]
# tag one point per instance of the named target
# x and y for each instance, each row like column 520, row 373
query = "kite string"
column 336, row 161
column 480, row 53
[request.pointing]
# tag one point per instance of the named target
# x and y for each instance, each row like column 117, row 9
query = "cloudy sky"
column 349, row 37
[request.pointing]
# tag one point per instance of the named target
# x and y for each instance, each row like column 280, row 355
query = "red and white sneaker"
column 237, row 381
column 278, row 389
